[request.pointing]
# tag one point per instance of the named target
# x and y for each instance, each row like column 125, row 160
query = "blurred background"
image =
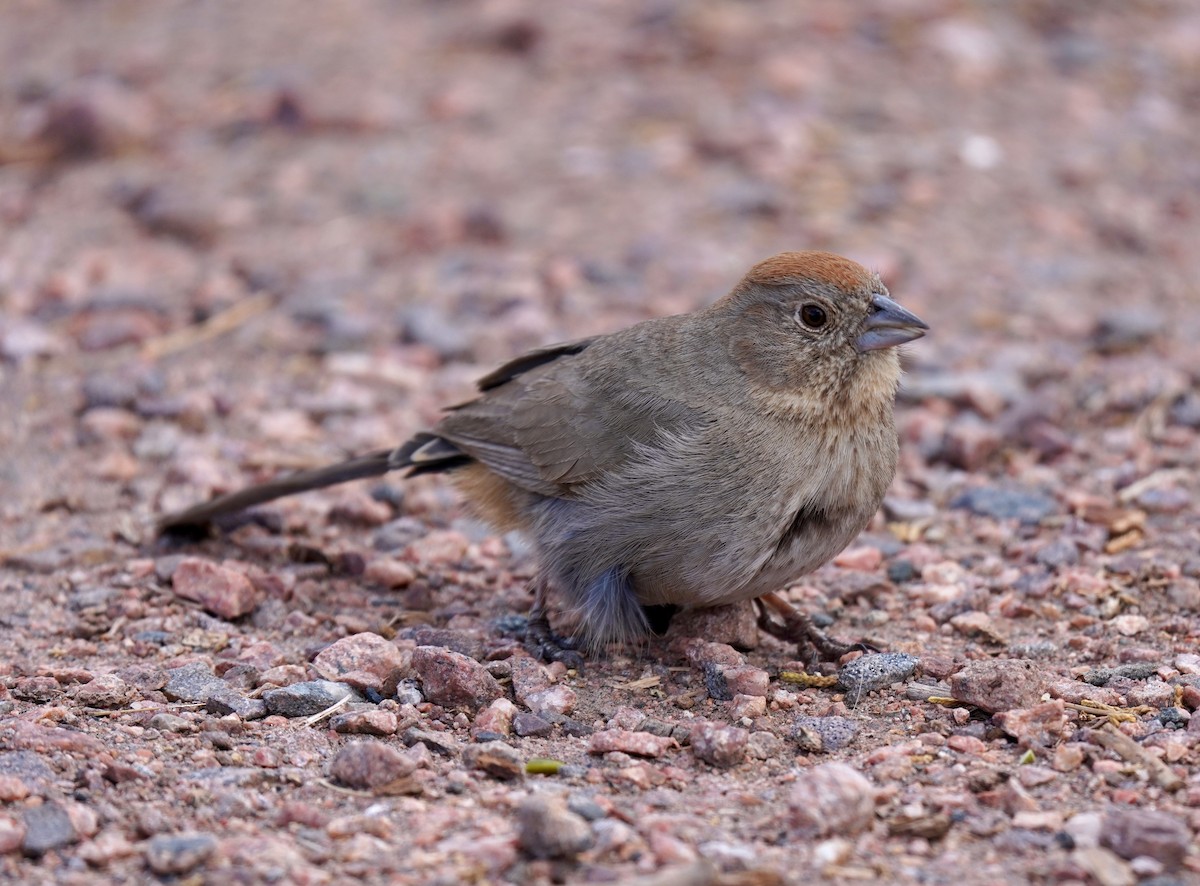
column 370, row 202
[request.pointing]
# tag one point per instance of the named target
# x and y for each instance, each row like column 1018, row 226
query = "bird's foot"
column 544, row 644
column 796, row 627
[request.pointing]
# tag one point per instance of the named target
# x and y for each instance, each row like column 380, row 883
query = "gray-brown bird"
column 686, row 461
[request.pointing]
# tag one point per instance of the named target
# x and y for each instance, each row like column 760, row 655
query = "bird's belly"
column 714, row 573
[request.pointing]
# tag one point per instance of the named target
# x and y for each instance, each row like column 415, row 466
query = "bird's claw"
column 798, row 628
column 543, row 643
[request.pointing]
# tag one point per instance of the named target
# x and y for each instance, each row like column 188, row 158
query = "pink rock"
column 105, row 691
column 752, row 706
column 496, row 718
column 641, row 744
column 626, row 717
column 556, row 699
column 966, row 744
column 1146, row 832
column 864, row 558
column 371, row 764
column 266, row 758
column 831, row 799
column 546, row 828
column 701, row 653
column 718, row 745
column 390, row 573
column 747, row 680
column 999, row 684
column 1038, row 726
column 439, row 546
column 528, row 676
column 376, row 722
column 365, row 661
column 12, row 789
column 734, row 624
column 12, row 834
column 222, row 591
column 453, row 680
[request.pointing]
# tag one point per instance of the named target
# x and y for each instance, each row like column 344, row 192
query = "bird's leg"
column 540, row 639
column 797, row 627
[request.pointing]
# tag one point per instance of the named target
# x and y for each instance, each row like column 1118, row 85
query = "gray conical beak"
column 889, row 325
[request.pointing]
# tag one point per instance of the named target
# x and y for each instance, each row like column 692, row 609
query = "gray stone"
column 306, row 699
column 1007, row 503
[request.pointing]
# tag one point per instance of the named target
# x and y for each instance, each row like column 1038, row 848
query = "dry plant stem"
column 1126, row 748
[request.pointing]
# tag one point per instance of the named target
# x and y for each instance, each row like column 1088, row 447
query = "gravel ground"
column 237, row 239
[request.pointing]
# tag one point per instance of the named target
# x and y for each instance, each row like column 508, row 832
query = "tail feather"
column 610, row 611
column 373, row 464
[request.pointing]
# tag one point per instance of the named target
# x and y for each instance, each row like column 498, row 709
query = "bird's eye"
column 812, row 316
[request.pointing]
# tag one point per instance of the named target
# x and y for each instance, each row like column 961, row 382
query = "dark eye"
column 812, row 316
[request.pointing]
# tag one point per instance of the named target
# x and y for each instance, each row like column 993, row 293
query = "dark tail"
column 438, row 455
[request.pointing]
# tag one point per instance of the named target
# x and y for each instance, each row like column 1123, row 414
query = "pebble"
column 175, row 854
column 389, row 573
column 864, row 558
column 531, row 725
column 48, row 826
column 222, row 591
column 12, row 834
column 373, row 722
column 830, row 733
column 751, row 706
column 1040, row 726
column 745, row 680
column 441, row 743
column 37, row 690
column 496, row 758
column 703, row 654
column 226, row 701
column 1068, row 757
column 438, row 547
column 1136, row 832
column 831, row 799
column 998, row 684
column 365, row 661
column 547, row 828
column 1130, row 625
column 12, row 789
column 1103, row 866
column 165, row 722
column 105, row 691
column 308, row 698
column 640, row 744
column 718, row 745
column 870, row 672
column 453, row 680
column 763, row 745
column 193, row 682
column 734, row 625
column 497, row 718
column 1006, row 503
column 369, row 765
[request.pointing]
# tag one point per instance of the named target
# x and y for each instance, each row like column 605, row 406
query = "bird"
column 684, row 462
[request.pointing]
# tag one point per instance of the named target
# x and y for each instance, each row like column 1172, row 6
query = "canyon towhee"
column 689, row 461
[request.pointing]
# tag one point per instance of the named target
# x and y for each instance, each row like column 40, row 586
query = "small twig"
column 332, row 709
column 644, row 683
column 1113, row 739
column 218, row 324
column 337, row 787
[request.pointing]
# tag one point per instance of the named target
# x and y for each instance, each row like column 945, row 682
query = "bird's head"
column 814, row 324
